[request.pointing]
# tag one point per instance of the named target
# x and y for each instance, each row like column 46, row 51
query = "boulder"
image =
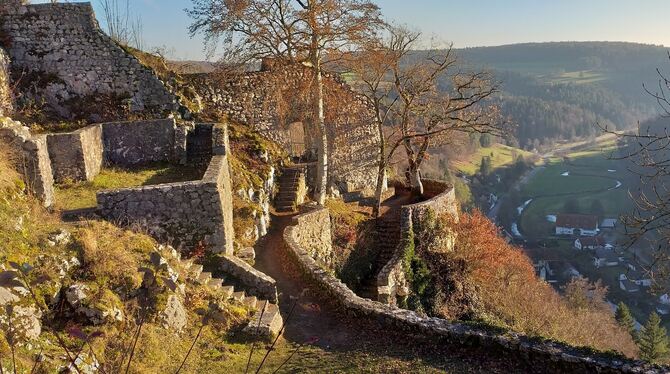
column 174, row 316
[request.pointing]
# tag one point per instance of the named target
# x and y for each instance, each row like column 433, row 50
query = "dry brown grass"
column 111, row 256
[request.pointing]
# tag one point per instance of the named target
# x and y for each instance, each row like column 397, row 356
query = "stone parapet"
column 541, row 355
column 391, row 280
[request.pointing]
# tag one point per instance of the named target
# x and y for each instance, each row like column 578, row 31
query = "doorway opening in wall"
column 298, row 148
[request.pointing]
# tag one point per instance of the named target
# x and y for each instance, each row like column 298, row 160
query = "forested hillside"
column 561, row 91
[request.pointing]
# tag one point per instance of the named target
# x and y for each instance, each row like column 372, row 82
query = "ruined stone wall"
column 541, row 355
column 391, row 280
column 76, row 156
column 65, row 40
column 5, row 94
column 256, row 282
column 271, row 100
column 30, row 156
column 140, row 142
column 183, row 213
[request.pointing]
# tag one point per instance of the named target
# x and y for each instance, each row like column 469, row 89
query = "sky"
column 465, row 23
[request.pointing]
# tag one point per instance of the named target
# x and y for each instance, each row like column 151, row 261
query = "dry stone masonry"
column 543, row 356
column 186, row 212
column 76, row 156
column 274, row 101
column 66, row 42
column 5, row 94
column 30, row 157
column 391, row 280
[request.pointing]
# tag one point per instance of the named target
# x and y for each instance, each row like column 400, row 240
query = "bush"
column 512, row 296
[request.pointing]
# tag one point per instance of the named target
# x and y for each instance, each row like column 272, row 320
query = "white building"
column 577, row 224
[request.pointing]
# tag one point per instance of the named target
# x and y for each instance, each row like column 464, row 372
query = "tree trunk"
column 322, row 141
column 381, row 170
column 415, row 178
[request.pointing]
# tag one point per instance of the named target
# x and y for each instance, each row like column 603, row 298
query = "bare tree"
column 436, row 99
column 648, row 151
column 306, row 31
column 421, row 98
column 121, row 25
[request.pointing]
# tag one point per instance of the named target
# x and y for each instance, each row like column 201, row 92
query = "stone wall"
column 272, row 100
column 391, row 280
column 76, row 156
column 542, row 356
column 257, row 283
column 140, row 142
column 184, row 213
column 65, row 41
column 5, row 94
column 30, row 156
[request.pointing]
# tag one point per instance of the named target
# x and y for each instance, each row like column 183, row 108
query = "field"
column 78, row 195
column 501, row 155
column 586, row 177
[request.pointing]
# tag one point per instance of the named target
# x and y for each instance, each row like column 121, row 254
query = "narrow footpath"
column 317, row 318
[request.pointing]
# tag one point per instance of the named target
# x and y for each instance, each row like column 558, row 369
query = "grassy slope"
column 502, row 156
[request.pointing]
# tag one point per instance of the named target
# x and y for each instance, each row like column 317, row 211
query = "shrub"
column 512, row 296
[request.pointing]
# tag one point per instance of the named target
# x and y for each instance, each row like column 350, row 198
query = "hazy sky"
column 465, row 23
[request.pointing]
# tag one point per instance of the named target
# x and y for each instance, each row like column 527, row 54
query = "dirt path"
column 314, row 317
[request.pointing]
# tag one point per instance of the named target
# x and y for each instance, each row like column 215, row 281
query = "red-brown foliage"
column 511, row 295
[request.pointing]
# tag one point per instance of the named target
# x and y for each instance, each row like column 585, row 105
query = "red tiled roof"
column 577, row 221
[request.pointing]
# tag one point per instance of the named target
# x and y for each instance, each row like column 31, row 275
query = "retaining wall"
column 184, row 213
column 30, row 156
column 65, row 40
column 256, row 283
column 391, row 280
column 76, row 156
column 545, row 356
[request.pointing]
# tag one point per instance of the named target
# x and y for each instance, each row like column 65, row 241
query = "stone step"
column 227, row 291
column 195, row 270
column 250, row 301
column 238, row 296
column 204, row 278
column 266, row 322
column 285, row 209
column 215, row 283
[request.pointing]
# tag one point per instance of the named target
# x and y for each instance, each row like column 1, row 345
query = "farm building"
column 577, row 224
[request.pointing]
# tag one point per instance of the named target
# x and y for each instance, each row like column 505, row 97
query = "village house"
column 593, row 243
column 605, row 258
column 577, row 224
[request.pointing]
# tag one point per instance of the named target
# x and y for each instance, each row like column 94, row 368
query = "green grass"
column 82, row 194
column 589, row 180
column 578, row 77
column 502, row 156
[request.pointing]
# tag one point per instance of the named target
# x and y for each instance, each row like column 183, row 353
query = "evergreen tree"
column 625, row 318
column 653, row 340
column 486, row 166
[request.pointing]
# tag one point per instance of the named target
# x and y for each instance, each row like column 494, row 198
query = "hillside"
column 561, row 91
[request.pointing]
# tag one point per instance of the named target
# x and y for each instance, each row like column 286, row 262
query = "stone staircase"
column 288, row 198
column 387, row 237
column 266, row 321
